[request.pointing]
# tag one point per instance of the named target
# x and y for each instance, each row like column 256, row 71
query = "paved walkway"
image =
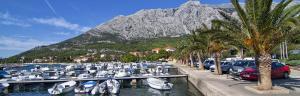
column 232, row 87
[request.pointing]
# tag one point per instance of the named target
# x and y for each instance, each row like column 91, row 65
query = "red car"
column 279, row 70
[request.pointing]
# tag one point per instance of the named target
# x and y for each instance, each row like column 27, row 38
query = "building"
column 170, row 49
column 136, row 53
column 156, row 50
column 81, row 59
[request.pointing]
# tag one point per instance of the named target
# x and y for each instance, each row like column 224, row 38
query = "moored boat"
column 99, row 89
column 84, row 76
column 3, row 86
column 62, row 88
column 85, row 87
column 160, row 84
column 113, row 86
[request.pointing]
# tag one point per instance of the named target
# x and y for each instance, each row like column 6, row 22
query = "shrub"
column 129, row 58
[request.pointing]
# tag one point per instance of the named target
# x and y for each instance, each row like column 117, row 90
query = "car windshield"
column 209, row 62
column 244, row 63
column 239, row 63
column 251, row 64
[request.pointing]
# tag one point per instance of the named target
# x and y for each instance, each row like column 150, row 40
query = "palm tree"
column 193, row 44
column 216, row 44
column 199, row 45
column 261, row 27
column 181, row 54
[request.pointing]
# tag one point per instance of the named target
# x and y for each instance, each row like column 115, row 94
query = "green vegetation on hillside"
column 90, row 46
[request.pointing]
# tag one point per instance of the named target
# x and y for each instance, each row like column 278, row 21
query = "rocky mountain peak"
column 191, row 3
column 153, row 23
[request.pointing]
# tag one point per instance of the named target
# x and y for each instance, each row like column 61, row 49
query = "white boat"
column 159, row 70
column 122, row 73
column 84, row 76
column 3, row 86
column 21, row 76
column 69, row 67
column 62, row 88
column 113, row 86
column 101, row 74
column 85, row 87
column 45, row 69
column 51, row 75
column 99, row 89
column 35, row 76
column 160, row 84
column 70, row 73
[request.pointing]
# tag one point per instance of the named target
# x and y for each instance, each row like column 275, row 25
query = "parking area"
column 233, row 87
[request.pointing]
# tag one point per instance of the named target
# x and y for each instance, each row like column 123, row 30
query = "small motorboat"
column 45, row 69
column 51, row 75
column 21, row 76
column 160, row 84
column 35, row 76
column 122, row 73
column 113, row 86
column 101, row 74
column 99, row 89
column 3, row 86
column 65, row 87
column 84, row 76
column 70, row 73
column 85, row 87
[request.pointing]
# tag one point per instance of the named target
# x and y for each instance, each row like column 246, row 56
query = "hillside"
column 70, row 49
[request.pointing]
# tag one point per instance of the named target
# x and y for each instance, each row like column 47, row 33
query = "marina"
column 93, row 78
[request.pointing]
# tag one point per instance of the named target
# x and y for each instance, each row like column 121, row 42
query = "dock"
column 94, row 79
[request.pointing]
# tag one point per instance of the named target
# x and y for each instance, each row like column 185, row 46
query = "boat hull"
column 159, row 84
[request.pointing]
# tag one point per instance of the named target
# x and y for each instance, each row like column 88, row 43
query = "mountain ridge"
column 151, row 23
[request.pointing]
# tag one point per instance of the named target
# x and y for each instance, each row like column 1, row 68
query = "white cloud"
column 61, row 22
column 15, row 23
column 9, row 43
column 7, row 19
column 63, row 33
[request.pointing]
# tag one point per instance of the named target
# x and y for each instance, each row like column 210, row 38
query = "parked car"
column 225, row 66
column 238, row 66
column 208, row 63
column 279, row 70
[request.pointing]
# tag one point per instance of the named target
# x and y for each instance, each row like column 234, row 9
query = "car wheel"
column 285, row 75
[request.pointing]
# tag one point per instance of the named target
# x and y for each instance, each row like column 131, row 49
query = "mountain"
column 141, row 31
column 152, row 23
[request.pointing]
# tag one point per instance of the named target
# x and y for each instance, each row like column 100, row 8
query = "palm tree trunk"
column 187, row 61
column 264, row 62
column 242, row 53
column 201, row 65
column 191, row 59
column 218, row 69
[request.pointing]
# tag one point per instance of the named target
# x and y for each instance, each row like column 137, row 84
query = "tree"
column 216, row 44
column 261, row 28
column 129, row 58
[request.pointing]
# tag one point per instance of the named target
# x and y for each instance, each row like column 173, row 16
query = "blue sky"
column 26, row 24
